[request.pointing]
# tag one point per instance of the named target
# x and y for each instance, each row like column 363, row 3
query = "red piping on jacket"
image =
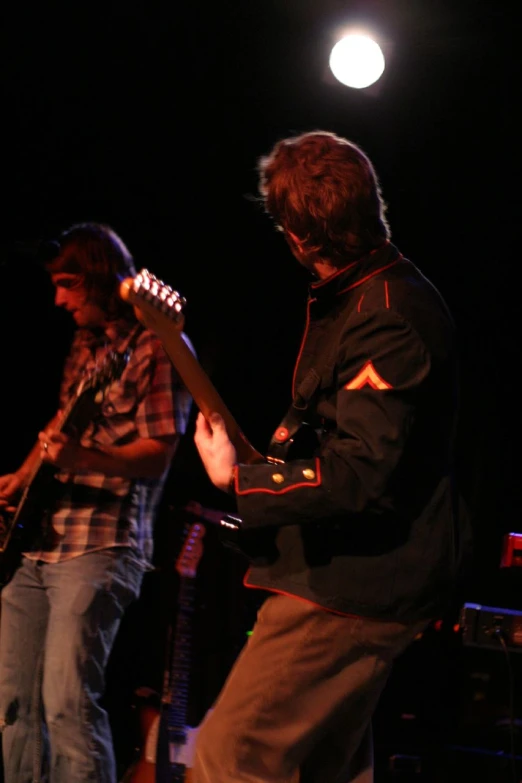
column 368, row 277
column 267, row 491
column 349, row 288
column 246, row 583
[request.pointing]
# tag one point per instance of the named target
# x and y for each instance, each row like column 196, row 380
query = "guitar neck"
column 205, row 395
column 178, row 686
column 74, row 418
column 60, row 425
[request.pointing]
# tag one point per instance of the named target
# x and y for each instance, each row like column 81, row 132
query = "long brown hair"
column 324, row 189
column 95, row 251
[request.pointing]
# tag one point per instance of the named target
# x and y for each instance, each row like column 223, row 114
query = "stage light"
column 357, row 61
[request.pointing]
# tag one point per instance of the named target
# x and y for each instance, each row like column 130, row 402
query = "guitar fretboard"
column 181, row 662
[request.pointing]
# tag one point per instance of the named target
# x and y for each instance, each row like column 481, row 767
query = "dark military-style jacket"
column 367, row 522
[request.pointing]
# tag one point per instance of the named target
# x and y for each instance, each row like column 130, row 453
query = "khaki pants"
column 298, row 702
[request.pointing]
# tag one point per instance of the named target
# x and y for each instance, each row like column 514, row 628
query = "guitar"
column 20, row 529
column 160, row 309
column 168, row 750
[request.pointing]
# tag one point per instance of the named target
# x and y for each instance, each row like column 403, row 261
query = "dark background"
column 151, row 117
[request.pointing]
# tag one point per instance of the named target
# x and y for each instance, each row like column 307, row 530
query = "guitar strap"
column 295, row 417
column 125, row 350
column 132, row 339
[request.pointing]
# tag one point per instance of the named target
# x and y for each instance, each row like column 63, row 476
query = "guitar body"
column 144, row 769
column 161, row 761
column 26, row 523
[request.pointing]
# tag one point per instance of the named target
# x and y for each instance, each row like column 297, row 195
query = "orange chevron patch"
column 368, row 377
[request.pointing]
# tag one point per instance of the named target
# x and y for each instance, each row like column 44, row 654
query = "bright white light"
column 357, row 61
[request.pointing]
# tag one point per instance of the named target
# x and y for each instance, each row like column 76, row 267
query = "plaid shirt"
column 93, row 511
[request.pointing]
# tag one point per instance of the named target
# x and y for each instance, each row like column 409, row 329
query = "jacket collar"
column 356, row 272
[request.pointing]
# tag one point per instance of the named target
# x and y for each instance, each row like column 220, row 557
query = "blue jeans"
column 58, row 625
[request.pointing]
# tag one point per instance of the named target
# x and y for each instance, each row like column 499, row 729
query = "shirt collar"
column 94, row 340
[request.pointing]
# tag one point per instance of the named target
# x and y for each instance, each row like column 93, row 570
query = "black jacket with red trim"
column 368, row 523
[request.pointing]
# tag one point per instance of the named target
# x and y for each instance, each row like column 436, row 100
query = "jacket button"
column 308, row 473
column 278, row 478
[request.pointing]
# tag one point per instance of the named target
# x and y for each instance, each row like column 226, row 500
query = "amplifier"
column 487, row 626
column 511, row 550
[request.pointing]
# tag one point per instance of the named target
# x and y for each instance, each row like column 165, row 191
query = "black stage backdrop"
column 152, row 119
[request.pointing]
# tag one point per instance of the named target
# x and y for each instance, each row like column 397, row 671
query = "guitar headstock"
column 146, row 292
column 192, row 551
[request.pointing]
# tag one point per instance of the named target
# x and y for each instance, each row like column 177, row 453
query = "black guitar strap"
column 132, row 339
column 295, row 417
column 305, row 394
column 125, row 350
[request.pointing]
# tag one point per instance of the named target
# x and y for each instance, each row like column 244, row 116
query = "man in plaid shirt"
column 62, row 608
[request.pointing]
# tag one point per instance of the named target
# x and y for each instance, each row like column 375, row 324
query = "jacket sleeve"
column 382, row 366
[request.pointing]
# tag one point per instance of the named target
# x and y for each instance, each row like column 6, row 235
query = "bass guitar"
column 168, row 747
column 20, row 529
